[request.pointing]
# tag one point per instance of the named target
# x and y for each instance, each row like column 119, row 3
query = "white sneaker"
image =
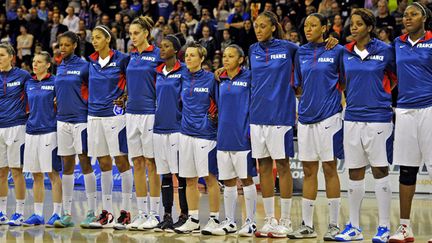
column 151, row 222
column 3, row 219
column 331, row 233
column 302, row 232
column 282, row 230
column 104, row 220
column 211, row 225
column 349, row 233
column 191, row 226
column 382, row 236
column 138, row 220
column 227, row 226
column 269, row 224
column 248, row 229
column 403, row 234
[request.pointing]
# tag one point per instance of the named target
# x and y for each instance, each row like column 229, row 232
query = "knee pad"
column 408, row 175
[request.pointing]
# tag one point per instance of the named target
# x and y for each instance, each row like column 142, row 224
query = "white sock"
column 405, row 222
column 194, row 214
column 230, row 201
column 154, row 205
column 214, row 215
column 3, row 204
column 356, row 192
column 20, row 204
column 250, row 197
column 107, row 181
column 57, row 209
column 38, row 209
column 334, row 208
column 142, row 205
column 90, row 188
column 127, row 183
column 285, row 208
column 383, row 195
column 67, row 186
column 269, row 206
column 308, row 211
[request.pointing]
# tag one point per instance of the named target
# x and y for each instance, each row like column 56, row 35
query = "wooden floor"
column 421, row 222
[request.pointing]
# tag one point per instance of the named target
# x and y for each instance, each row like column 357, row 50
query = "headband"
column 420, row 6
column 103, row 28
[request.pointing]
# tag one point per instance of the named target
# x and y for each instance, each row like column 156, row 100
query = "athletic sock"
column 269, row 206
column 67, row 187
column 127, row 184
column 406, row 222
column 182, row 195
column 334, row 208
column 154, row 205
column 355, row 197
column 20, row 204
column 3, row 204
column 308, row 211
column 383, row 195
column 250, row 197
column 214, row 215
column 286, row 208
column 167, row 193
column 230, row 201
column 57, row 209
column 38, row 209
column 194, row 214
column 142, row 205
column 90, row 188
column 107, row 181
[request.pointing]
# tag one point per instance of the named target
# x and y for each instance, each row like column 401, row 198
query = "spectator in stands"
column 398, row 15
column 71, row 21
column 226, row 40
column 150, row 9
column 126, row 19
column 136, row 6
column 184, row 32
column 384, row 18
column 43, row 11
column 175, row 23
column 11, row 13
column 325, row 7
column 157, row 31
column 85, row 48
column 84, row 14
column 82, row 27
column 206, row 19
column 191, row 23
column 268, row 6
column 235, row 21
column 165, row 8
column 35, row 25
column 178, row 9
column 24, row 45
column 248, row 36
column 4, row 35
column 120, row 42
column 337, row 25
column 16, row 23
column 385, row 34
column 95, row 15
column 54, row 29
column 208, row 42
column 125, row 10
column 372, row 5
column 106, row 20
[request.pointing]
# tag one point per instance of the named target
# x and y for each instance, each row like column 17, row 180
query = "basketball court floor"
column 421, row 222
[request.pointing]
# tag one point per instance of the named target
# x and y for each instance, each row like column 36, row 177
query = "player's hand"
column 331, row 42
column 121, row 101
column 218, row 73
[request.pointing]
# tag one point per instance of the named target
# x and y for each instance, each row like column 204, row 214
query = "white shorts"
column 12, row 146
column 197, row 157
column 139, row 130
column 413, row 137
column 166, row 152
column 272, row 141
column 233, row 164
column 107, row 136
column 368, row 143
column 40, row 153
column 321, row 141
column 71, row 138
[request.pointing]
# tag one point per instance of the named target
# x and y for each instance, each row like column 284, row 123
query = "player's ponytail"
column 278, row 33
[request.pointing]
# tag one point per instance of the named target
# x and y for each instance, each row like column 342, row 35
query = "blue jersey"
column 168, row 113
column 368, row 86
column 233, row 112
column 317, row 73
column 273, row 98
column 12, row 102
column 106, row 84
column 141, row 77
column 199, row 93
column 40, row 97
column 71, row 85
column 414, row 70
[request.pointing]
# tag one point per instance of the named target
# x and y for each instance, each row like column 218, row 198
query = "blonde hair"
column 202, row 52
column 146, row 23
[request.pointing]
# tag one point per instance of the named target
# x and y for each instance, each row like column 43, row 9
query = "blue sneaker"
column 350, row 233
column 34, row 220
column 382, row 235
column 16, row 220
column 50, row 223
column 3, row 219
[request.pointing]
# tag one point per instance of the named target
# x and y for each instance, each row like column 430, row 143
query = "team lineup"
column 176, row 119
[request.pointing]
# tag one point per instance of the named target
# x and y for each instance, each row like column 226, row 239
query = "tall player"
column 40, row 154
column 12, row 133
column 107, row 124
column 141, row 105
column 72, row 94
column 318, row 81
column 168, row 115
column 368, row 128
column 413, row 128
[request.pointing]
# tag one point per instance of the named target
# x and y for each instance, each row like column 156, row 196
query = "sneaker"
column 331, row 233
column 33, row 220
column 430, row 241
column 190, row 226
column 166, row 223
column 227, row 226
column 349, row 233
column 16, row 220
column 248, row 229
column 403, row 234
column 104, row 220
column 3, row 219
column 382, row 235
column 211, row 225
column 282, row 230
column 269, row 224
column 50, row 223
column 123, row 220
column 138, row 220
column 151, row 222
column 90, row 217
column 181, row 221
column 64, row 222
column 303, row 232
